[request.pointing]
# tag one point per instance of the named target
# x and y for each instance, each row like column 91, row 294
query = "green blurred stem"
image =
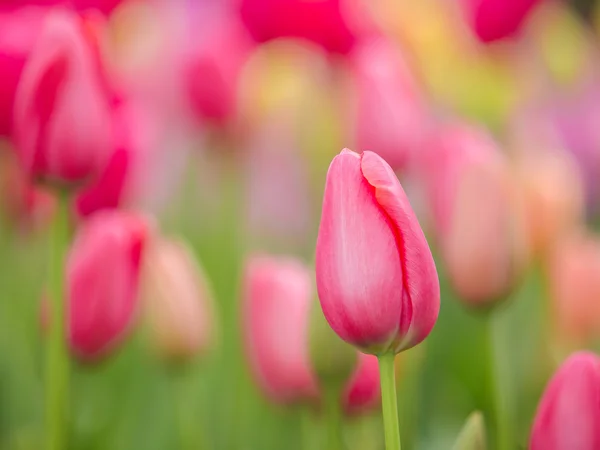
column 184, row 413
column 307, row 428
column 57, row 360
column 501, row 412
column 389, row 401
column 333, row 413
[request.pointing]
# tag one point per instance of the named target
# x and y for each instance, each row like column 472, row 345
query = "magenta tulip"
column 390, row 114
column 103, row 272
column 63, row 124
column 278, row 297
column 363, row 391
column 492, row 20
column 322, row 22
column 376, row 277
column 19, row 28
column 568, row 416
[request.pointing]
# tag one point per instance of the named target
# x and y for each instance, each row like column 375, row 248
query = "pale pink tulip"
column 177, row 300
column 574, row 283
column 278, row 298
column 477, row 215
column 390, row 115
column 63, row 125
column 103, row 270
column 376, row 277
column 568, row 416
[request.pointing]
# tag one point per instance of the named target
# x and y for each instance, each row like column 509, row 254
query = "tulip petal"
column 359, row 272
column 421, row 302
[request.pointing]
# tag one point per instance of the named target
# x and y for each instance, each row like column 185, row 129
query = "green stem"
column 184, row 413
column 57, row 360
column 307, row 428
column 389, row 401
column 501, row 414
column 333, row 413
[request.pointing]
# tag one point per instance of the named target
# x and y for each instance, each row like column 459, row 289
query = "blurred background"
column 228, row 115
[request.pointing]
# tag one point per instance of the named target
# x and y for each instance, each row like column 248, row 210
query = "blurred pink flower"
column 363, row 391
column 477, row 218
column 103, row 271
column 324, row 22
column 19, row 28
column 213, row 71
column 63, row 125
column 177, row 301
column 376, row 277
column 574, row 283
column 103, row 6
column 492, row 20
column 390, row 116
column 568, row 416
column 279, row 296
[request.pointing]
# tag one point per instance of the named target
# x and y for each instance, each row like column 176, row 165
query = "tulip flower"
column 492, row 20
column 568, row 416
column 214, row 69
column 277, row 307
column 103, row 271
column 63, row 125
column 278, row 301
column 376, row 278
column 477, row 215
column 554, row 197
column 177, row 300
column 390, row 114
column 574, row 284
column 19, row 28
column 325, row 22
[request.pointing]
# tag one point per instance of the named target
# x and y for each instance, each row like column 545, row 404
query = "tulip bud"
column 323, row 22
column 391, row 117
column 102, row 274
column 472, row 435
column 376, row 277
column 477, row 215
column 574, row 284
column 568, row 416
column 278, row 297
column 177, row 300
column 333, row 360
column 363, row 390
column 554, row 197
column 492, row 20
column 63, row 127
column 19, row 28
column 214, row 71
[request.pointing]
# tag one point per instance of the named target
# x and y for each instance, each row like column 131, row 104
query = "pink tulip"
column 363, row 391
column 177, row 301
column 376, row 277
column 324, row 22
column 278, row 298
column 19, row 28
column 492, row 20
column 568, row 416
column 103, row 6
column 390, row 114
column 214, row 70
column 103, row 270
column 63, row 124
column 109, row 189
column 574, row 284
column 476, row 214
